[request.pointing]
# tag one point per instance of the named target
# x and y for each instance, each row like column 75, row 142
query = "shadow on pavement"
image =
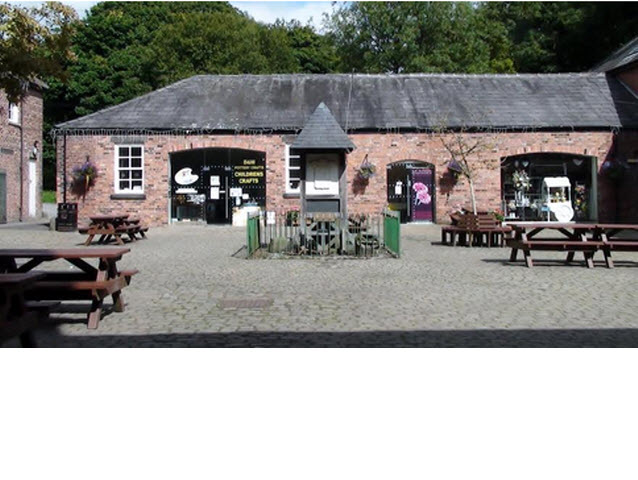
column 564, row 338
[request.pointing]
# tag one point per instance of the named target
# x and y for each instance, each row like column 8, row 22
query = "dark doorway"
column 213, row 184
column 411, row 190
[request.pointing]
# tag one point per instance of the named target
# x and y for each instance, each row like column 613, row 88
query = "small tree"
column 34, row 42
column 464, row 149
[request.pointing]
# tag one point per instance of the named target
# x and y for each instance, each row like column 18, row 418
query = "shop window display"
column 524, row 187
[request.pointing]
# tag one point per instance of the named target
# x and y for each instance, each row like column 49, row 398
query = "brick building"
column 207, row 147
column 20, row 156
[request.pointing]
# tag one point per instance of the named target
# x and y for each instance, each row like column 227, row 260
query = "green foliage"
column 34, row 42
column 217, row 43
column 48, row 196
column 403, row 37
column 313, row 53
column 550, row 37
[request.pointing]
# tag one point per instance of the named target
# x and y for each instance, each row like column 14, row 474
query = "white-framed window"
column 293, row 171
column 14, row 113
column 129, row 169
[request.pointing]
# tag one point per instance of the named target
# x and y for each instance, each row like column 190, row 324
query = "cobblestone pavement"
column 432, row 296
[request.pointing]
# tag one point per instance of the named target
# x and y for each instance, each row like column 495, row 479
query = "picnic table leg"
column 95, row 314
column 118, row 239
column 570, row 258
column 514, row 254
column 608, row 260
column 89, row 240
column 589, row 259
column 528, row 258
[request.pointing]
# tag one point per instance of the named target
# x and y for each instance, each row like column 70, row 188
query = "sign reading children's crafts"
column 249, row 180
column 249, row 172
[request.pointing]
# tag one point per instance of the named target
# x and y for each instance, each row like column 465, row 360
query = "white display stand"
column 562, row 209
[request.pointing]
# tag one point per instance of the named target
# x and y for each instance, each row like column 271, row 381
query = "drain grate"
column 245, row 303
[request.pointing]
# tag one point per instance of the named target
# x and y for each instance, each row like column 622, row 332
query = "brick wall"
column 10, row 162
column 616, row 202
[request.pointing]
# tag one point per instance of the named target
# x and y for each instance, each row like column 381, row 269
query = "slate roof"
column 622, row 57
column 378, row 102
column 322, row 132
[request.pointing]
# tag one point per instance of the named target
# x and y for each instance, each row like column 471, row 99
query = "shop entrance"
column 524, row 186
column 217, row 185
column 411, row 190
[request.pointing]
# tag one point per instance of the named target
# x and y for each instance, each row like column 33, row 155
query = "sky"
column 266, row 12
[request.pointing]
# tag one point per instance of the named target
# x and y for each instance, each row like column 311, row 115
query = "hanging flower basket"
column 613, row 170
column 455, row 167
column 366, row 170
column 83, row 179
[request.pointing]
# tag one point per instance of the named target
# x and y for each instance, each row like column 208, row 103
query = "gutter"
column 21, row 159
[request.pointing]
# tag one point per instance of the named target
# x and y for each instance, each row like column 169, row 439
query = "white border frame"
column 13, row 107
column 116, row 169
column 288, row 190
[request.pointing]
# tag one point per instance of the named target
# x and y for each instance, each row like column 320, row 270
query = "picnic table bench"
column 468, row 228
column 18, row 317
column 90, row 283
column 112, row 227
column 586, row 238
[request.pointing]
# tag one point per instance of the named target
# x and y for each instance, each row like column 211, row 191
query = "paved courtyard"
column 432, row 296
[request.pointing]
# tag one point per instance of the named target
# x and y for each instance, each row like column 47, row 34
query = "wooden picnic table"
column 110, row 227
column 573, row 238
column 576, row 237
column 16, row 319
column 89, row 282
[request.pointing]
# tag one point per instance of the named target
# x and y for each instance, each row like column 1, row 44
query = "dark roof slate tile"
column 322, row 132
column 378, row 102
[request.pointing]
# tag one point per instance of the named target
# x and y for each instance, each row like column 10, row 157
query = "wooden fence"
column 323, row 234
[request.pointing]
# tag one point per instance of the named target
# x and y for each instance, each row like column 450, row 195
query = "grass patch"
column 48, row 196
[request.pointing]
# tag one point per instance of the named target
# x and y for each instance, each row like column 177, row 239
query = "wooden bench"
column 470, row 227
column 18, row 317
column 588, row 247
column 73, row 286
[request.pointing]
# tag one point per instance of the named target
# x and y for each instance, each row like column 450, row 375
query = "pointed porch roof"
column 322, row 132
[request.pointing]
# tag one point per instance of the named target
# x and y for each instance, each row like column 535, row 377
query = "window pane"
column 294, row 184
column 124, row 185
column 136, row 162
column 125, row 174
column 295, row 162
column 137, row 185
column 123, row 151
column 123, row 162
column 137, row 173
column 136, row 151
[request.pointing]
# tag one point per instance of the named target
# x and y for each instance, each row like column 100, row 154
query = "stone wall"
column 616, row 202
column 10, row 162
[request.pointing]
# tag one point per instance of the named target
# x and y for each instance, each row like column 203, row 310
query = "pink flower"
column 423, row 197
column 418, row 187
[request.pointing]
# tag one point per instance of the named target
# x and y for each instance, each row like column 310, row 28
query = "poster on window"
column 422, row 195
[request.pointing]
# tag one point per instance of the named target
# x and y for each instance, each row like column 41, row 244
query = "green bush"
column 48, row 196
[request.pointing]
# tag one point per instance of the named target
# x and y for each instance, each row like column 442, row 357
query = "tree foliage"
column 403, row 37
column 34, row 42
column 125, row 49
